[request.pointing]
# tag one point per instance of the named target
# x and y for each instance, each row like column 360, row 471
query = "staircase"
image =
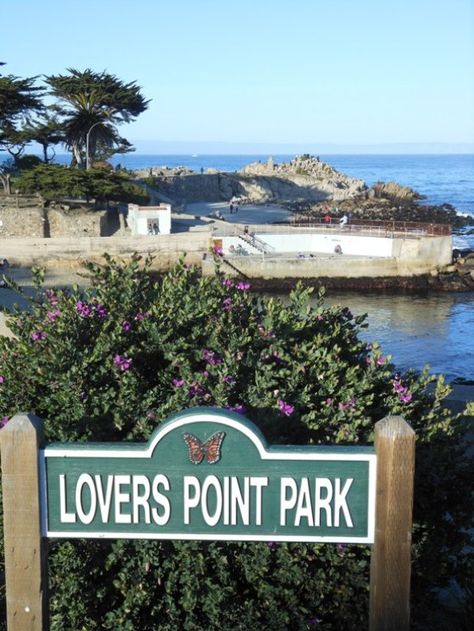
column 258, row 245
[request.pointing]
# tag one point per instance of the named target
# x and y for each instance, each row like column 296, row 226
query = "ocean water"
column 434, row 329
column 440, row 178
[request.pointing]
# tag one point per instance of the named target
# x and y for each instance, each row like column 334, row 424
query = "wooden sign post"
column 207, row 474
column 391, row 553
column 25, row 549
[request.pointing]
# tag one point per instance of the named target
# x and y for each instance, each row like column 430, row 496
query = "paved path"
column 248, row 214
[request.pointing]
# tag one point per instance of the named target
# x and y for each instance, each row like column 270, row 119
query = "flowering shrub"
column 111, row 362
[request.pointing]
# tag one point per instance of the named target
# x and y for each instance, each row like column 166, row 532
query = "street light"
column 87, row 142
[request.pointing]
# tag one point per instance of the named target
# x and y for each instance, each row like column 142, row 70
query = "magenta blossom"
column 346, row 405
column 227, row 304
column 122, row 362
column 381, row 361
column 141, row 316
column 404, row 395
column 101, row 311
column 195, row 390
column 37, row 336
column 2, row 379
column 228, row 379
column 83, row 309
column 211, row 357
column 218, row 251
column 126, row 326
column 227, row 282
column 52, row 315
column 285, row 408
column 3, row 421
column 241, row 286
column 238, row 409
column 177, row 383
column 52, row 297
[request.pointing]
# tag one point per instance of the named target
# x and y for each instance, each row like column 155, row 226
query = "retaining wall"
column 71, row 252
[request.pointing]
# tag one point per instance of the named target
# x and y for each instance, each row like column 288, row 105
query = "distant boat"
column 195, row 155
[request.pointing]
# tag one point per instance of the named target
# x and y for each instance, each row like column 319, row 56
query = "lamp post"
column 87, row 142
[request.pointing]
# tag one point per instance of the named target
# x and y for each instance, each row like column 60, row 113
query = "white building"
column 149, row 220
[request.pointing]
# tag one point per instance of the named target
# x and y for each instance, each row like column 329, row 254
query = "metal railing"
column 388, row 229
column 387, row 226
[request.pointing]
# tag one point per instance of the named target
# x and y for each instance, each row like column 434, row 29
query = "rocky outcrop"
column 304, row 179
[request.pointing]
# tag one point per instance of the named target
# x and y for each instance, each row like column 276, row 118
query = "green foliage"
column 209, row 341
column 53, row 181
column 92, row 105
column 19, row 99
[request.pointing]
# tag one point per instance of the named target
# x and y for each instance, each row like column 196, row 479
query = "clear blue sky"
column 265, row 71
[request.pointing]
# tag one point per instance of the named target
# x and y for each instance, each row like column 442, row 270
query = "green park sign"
column 208, row 474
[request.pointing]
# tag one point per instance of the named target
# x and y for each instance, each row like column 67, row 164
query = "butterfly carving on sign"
column 210, row 450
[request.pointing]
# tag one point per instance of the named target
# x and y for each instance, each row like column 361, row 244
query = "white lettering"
column 323, row 503
column 340, row 502
column 303, row 507
column 141, row 499
column 66, row 518
column 85, row 480
column 121, row 497
column 211, row 481
column 287, row 503
column 259, row 484
column 104, row 502
column 190, row 501
column 162, row 500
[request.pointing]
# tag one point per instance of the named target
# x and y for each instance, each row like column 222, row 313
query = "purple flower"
column 83, row 309
column 341, row 549
column 52, row 315
column 285, row 408
column 2, row 379
column 380, row 361
column 227, row 282
column 211, row 358
column 238, row 409
column 141, row 316
column 241, row 286
column 404, row 395
column 101, row 311
column 177, row 383
column 37, row 336
column 228, row 379
column 329, row 401
column 313, row 622
column 218, row 251
column 126, row 326
column 346, row 405
column 122, row 362
column 273, row 545
column 4, row 420
column 227, row 304
column 52, row 297
column 195, row 390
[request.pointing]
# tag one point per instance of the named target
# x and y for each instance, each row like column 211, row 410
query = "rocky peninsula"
column 305, row 185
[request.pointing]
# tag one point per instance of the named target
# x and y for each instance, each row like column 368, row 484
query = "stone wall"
column 28, row 221
column 70, row 252
column 26, row 217
column 77, row 223
column 191, row 188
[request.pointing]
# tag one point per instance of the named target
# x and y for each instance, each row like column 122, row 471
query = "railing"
column 388, row 229
column 255, row 242
column 393, row 226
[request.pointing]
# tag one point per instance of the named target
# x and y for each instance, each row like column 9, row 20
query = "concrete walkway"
column 247, row 214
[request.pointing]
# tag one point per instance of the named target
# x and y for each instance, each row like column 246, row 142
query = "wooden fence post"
column 391, row 552
column 25, row 550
